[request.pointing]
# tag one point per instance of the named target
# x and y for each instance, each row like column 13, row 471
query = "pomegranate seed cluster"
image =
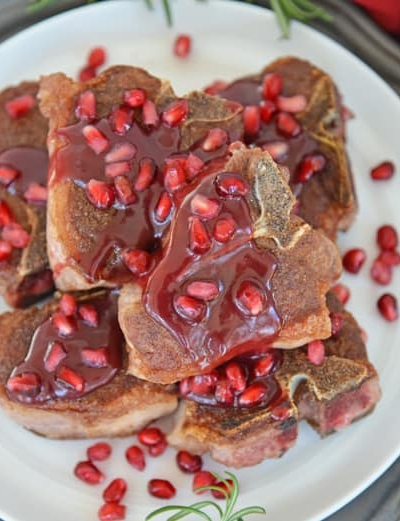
column 381, row 269
column 72, row 353
column 151, row 441
column 270, row 121
column 243, row 382
column 14, row 177
column 95, row 59
column 133, row 166
column 13, row 235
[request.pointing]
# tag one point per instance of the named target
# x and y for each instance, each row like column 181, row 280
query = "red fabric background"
column 385, row 12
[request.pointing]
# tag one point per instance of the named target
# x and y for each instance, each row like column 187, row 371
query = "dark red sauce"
column 223, row 327
column 31, row 163
column 256, row 387
column 106, row 334
column 248, row 92
column 134, row 225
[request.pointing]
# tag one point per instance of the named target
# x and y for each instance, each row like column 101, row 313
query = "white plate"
column 230, row 39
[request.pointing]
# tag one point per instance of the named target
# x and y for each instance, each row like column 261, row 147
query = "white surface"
column 230, row 39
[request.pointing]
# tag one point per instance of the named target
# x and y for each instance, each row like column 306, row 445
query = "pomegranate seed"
column 27, row 384
column 386, row 237
column 100, row 451
column 203, row 478
column 96, row 140
column 342, row 292
column 71, row 378
column 337, row 322
column 264, row 365
column 147, row 169
column 124, row 190
column 250, row 298
column 182, row 45
column 115, row 491
column 121, row 152
column 137, row 261
column 188, row 462
column 87, row 73
column 267, row 110
column 54, row 354
column 6, row 215
column 389, row 257
column 89, row 473
column 235, row 376
column 89, row 315
column 199, row 240
column 203, row 289
column 204, row 207
column 296, row 103
column 158, row 448
column 224, row 393
column 271, row 86
column 281, row 412
column 135, row 97
column 174, row 175
column 383, row 171
column 215, row 87
column 316, row 352
column 64, row 325
column 354, row 259
column 161, row 488
column 19, row 106
column 215, row 138
column 100, row 194
column 112, row 511
column 194, row 165
column 226, row 486
column 35, row 193
column 203, row 383
column 189, row 308
column 381, row 273
column 14, row 234
column 278, row 150
column 150, row 436
column 184, row 387
column 97, row 57
column 121, row 120
column 309, row 166
column 117, row 169
column 135, row 457
column 231, row 185
column 98, row 357
column 86, row 106
column 387, row 306
column 253, row 395
column 176, row 113
column 224, row 229
column 287, row 125
column 8, row 174
column 251, row 120
column 149, row 113
column 68, row 304
column 5, row 250
column 163, row 207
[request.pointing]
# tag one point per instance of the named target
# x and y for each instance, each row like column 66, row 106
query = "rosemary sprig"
column 285, row 11
column 231, row 492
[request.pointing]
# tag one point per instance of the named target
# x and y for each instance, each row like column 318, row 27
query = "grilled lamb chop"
column 25, row 276
column 260, row 420
column 212, row 295
column 120, row 146
column 293, row 109
column 62, row 371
